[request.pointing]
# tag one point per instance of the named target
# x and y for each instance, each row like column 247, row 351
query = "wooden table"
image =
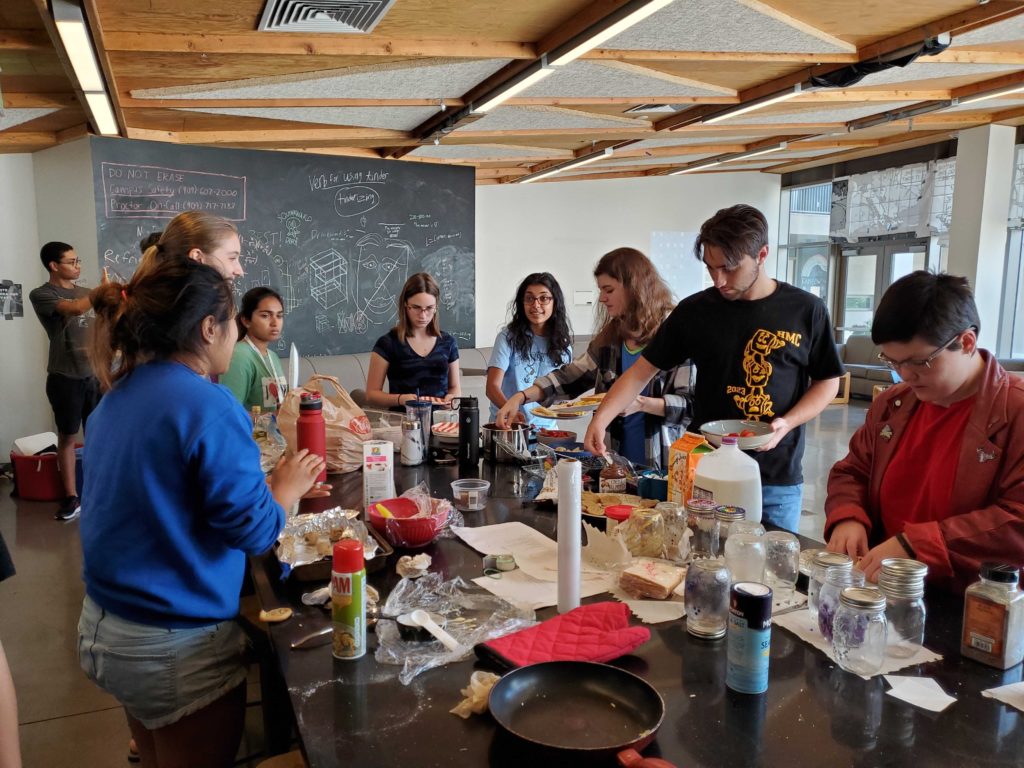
column 813, row 714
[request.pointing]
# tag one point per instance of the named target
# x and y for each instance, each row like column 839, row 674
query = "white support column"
column 981, row 202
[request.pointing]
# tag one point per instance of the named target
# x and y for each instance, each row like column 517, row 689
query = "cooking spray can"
column 348, row 600
column 749, row 637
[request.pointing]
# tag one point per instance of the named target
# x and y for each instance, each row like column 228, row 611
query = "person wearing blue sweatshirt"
column 174, row 500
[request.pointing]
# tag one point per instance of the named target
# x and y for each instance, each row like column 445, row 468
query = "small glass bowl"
column 470, row 494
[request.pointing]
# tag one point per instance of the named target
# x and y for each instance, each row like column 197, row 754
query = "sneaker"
column 68, row 509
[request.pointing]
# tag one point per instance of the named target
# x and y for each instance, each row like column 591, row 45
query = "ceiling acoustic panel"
column 414, row 79
column 391, row 118
column 718, row 25
column 489, row 152
column 923, row 70
column 618, row 79
column 12, row 117
column 700, row 138
column 621, row 163
column 830, row 115
column 546, row 118
column 1006, row 31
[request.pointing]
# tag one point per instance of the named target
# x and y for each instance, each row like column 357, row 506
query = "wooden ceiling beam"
column 24, row 40
column 954, row 56
column 134, row 103
column 620, row 54
column 39, row 100
column 301, row 134
column 291, row 44
column 26, row 141
column 853, row 95
column 887, row 144
column 995, row 83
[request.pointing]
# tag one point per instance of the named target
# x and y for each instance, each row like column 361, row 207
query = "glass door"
column 866, row 270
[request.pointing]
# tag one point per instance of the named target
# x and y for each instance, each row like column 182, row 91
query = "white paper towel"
column 570, row 517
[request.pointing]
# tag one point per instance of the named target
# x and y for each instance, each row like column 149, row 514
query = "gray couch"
column 860, row 356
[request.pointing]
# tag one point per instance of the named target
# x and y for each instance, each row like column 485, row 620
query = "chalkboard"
column 336, row 237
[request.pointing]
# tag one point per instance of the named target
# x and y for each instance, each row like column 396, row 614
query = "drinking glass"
column 745, row 557
column 782, row 563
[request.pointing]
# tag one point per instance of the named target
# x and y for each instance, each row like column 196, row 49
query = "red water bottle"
column 310, row 430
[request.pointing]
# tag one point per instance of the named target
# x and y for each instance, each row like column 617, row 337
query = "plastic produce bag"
column 472, row 616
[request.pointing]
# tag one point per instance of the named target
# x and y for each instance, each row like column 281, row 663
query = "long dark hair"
column 650, row 299
column 251, row 302
column 157, row 314
column 559, row 331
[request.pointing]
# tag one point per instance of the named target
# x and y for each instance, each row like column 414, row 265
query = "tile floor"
column 66, row 720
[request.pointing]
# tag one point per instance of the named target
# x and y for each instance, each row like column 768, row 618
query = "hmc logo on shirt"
column 753, row 398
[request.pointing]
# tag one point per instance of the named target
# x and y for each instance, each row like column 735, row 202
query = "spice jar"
column 675, row 529
column 726, row 515
column 836, row 579
column 994, row 617
column 859, row 630
column 902, row 582
column 700, row 517
column 823, row 561
column 643, row 533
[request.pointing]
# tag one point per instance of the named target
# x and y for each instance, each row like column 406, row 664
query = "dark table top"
column 813, row 714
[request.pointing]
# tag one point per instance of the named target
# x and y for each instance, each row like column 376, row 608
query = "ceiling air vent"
column 653, row 108
column 333, row 16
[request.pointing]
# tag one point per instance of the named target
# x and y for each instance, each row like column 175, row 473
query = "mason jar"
column 674, row 516
column 643, row 533
column 706, row 595
column 859, row 630
column 902, row 582
column 836, row 578
column 823, row 561
column 726, row 515
column 700, row 517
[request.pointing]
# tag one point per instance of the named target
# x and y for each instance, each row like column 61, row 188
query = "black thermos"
column 469, row 431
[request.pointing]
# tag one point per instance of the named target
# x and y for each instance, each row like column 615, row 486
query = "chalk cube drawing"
column 328, row 278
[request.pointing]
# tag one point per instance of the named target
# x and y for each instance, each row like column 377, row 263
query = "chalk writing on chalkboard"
column 148, row 191
column 336, row 237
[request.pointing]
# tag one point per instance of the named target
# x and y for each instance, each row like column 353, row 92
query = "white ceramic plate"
column 714, row 431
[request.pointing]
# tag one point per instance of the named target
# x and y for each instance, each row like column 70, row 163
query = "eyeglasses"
column 895, row 365
column 72, row 263
column 542, row 300
column 421, row 310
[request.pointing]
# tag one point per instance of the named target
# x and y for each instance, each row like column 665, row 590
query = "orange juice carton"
column 683, row 456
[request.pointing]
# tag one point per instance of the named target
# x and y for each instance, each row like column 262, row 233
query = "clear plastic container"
column 470, row 495
column 859, row 630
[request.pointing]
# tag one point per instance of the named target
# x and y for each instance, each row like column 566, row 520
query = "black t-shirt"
column 409, row 372
column 754, row 359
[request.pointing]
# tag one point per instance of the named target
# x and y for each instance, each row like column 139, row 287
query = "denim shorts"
column 159, row 675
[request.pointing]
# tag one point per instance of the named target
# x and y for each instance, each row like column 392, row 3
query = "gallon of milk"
column 729, row 476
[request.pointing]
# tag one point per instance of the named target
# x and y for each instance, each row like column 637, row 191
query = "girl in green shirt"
column 255, row 376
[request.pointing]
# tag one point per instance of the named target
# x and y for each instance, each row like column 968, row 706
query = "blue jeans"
column 780, row 505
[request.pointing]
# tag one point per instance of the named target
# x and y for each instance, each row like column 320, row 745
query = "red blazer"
column 987, row 522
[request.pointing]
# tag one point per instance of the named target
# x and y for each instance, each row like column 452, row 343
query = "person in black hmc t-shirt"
column 763, row 351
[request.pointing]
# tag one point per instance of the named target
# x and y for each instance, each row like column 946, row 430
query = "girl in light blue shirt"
column 536, row 341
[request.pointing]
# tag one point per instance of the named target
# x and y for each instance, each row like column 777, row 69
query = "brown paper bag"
column 347, row 425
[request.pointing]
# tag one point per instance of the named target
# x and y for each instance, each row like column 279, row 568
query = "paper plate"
column 714, row 431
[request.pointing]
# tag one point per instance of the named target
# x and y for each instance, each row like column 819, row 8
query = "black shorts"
column 72, row 401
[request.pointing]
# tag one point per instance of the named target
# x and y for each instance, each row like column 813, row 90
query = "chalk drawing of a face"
column 382, row 268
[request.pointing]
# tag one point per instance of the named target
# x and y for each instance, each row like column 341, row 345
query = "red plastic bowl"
column 402, row 529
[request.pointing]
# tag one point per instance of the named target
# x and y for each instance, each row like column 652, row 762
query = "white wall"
column 23, row 371
column 565, row 227
column 65, row 206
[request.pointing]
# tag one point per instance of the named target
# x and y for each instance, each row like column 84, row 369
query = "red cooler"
column 37, row 478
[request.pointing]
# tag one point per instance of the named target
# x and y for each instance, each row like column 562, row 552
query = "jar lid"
column 1001, row 572
column 700, row 505
column 727, row 512
column 904, row 565
column 904, row 588
column 618, row 512
column 832, row 559
column 862, row 597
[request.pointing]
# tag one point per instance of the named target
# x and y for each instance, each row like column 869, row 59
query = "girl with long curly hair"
column 536, row 341
column 634, row 300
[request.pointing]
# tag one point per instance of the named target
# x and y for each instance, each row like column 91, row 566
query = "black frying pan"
column 592, row 710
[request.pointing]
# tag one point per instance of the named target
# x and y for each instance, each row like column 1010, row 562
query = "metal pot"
column 506, row 446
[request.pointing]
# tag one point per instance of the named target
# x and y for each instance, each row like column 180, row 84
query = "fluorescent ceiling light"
column 990, row 94
column 756, row 152
column 612, row 25
column 722, row 159
column 514, row 87
column 898, row 114
column 78, row 45
column 574, row 163
column 750, row 106
column 102, row 114
column 697, row 167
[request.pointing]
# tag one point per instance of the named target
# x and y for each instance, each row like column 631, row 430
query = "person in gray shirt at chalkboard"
column 203, row 237
column 65, row 309
column 419, row 360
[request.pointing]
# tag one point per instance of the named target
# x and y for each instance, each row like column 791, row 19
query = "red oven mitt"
column 595, row 632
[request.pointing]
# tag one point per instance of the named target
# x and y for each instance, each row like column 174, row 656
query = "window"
column 805, row 251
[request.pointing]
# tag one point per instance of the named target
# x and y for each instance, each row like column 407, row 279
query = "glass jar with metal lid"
column 902, row 582
column 674, row 516
column 823, row 561
column 726, row 515
column 837, row 578
column 643, row 533
column 859, row 630
column 700, row 517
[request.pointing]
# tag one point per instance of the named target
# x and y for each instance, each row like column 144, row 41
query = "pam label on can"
column 749, row 637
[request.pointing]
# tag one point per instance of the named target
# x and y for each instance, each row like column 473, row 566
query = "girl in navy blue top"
column 419, row 360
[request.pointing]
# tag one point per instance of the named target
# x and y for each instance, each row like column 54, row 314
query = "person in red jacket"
column 936, row 472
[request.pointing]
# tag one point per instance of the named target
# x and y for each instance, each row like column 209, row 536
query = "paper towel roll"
column 570, row 512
